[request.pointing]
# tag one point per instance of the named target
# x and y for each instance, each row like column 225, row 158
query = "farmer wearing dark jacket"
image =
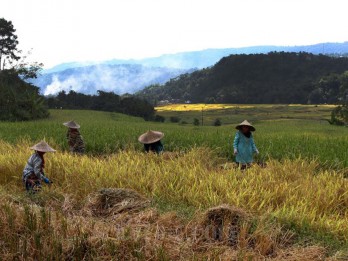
column 244, row 145
column 74, row 137
column 33, row 172
column 152, row 141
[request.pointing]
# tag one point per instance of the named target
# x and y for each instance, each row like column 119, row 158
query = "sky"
column 61, row 31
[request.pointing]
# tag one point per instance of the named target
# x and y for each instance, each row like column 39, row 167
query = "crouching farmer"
column 152, row 141
column 33, row 173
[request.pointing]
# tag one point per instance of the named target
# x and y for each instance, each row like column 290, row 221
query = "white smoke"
column 57, row 86
column 120, row 79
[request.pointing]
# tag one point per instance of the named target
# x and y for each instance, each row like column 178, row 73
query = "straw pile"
column 224, row 223
column 112, row 201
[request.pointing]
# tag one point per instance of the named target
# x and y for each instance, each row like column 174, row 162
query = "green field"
column 282, row 132
column 297, row 205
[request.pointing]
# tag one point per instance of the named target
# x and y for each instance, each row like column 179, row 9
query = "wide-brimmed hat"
column 71, row 124
column 43, row 147
column 150, row 137
column 245, row 123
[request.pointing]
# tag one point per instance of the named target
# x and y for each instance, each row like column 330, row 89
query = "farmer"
column 33, row 172
column 74, row 137
column 244, row 145
column 152, row 141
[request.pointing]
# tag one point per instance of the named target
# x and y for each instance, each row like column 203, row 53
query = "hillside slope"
column 257, row 78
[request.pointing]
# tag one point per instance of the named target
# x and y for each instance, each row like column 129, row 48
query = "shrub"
column 217, row 122
column 159, row 118
column 174, row 119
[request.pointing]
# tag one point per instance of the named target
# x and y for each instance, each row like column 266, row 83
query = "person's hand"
column 235, row 152
column 46, row 180
column 257, row 151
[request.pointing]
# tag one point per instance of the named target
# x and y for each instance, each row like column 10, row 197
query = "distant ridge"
column 129, row 76
column 205, row 58
column 275, row 77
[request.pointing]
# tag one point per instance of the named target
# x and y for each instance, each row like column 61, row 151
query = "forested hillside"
column 103, row 101
column 255, row 78
column 19, row 100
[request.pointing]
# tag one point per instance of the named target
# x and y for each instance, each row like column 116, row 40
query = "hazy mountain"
column 206, row 58
column 276, row 77
column 125, row 78
column 129, row 76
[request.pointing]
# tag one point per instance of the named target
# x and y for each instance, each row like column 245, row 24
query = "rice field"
column 296, row 208
column 280, row 138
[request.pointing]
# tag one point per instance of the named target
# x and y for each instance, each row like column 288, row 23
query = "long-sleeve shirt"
column 154, row 147
column 245, row 147
column 34, row 166
column 75, row 141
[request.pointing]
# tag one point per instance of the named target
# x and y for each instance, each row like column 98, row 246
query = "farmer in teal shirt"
column 244, row 145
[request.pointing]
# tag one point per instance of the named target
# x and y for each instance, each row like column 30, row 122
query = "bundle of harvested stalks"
column 111, row 201
column 224, row 223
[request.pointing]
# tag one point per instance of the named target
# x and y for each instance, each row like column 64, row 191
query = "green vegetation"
column 256, row 78
column 104, row 101
column 18, row 99
column 298, row 200
column 288, row 132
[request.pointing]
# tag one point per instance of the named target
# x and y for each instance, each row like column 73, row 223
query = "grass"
column 232, row 113
column 294, row 193
column 302, row 191
column 278, row 138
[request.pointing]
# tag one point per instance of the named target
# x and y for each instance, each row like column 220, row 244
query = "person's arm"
column 253, row 145
column 159, row 147
column 69, row 138
column 235, row 143
column 37, row 166
column 79, row 144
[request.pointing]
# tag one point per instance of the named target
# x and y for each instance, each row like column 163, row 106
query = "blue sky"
column 61, row 31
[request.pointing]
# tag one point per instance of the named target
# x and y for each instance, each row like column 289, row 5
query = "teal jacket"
column 245, row 147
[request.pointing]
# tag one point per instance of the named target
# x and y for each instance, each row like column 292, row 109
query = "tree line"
column 255, row 78
column 20, row 100
column 103, row 101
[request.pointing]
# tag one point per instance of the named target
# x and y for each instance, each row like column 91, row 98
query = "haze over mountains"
column 130, row 76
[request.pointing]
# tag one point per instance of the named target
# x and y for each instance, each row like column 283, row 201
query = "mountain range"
column 129, row 76
column 275, row 77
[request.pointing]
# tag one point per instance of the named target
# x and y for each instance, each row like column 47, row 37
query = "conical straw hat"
column 245, row 123
column 43, row 147
column 150, row 137
column 71, row 124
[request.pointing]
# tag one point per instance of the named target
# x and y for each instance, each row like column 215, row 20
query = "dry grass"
column 240, row 215
column 32, row 233
column 109, row 201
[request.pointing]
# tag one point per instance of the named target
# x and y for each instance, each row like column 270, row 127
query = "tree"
column 159, row 118
column 11, row 57
column 19, row 100
column 217, row 122
column 196, row 122
column 174, row 119
column 8, row 43
column 339, row 116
